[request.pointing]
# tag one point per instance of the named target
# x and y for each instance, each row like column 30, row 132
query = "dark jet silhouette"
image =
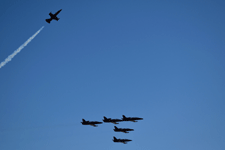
column 92, row 123
column 109, row 120
column 133, row 119
column 53, row 16
column 124, row 141
column 124, row 130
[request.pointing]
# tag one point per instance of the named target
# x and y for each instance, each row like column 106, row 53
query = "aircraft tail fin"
column 83, row 120
column 124, row 116
column 114, row 138
column 115, row 127
column 104, row 117
column 48, row 20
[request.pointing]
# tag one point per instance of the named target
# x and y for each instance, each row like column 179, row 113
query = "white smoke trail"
column 10, row 57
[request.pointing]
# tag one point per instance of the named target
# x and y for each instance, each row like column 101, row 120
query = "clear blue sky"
column 157, row 59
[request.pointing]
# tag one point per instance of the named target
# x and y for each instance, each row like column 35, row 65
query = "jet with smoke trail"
column 53, row 16
column 10, row 57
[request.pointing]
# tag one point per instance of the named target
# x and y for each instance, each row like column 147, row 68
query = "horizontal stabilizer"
column 48, row 20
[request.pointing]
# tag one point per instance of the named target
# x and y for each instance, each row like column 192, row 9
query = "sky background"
column 157, row 59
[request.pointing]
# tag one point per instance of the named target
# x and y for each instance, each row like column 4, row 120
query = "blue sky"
column 160, row 60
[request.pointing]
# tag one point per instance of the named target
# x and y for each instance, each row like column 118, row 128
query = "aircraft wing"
column 94, row 125
column 50, row 14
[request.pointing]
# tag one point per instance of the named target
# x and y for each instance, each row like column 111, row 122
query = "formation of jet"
column 124, row 141
column 109, row 120
column 116, row 129
column 124, row 130
column 133, row 119
column 92, row 123
column 53, row 16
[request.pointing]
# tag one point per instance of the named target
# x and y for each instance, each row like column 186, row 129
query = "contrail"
column 10, row 57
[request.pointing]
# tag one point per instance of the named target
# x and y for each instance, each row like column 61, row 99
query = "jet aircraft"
column 133, row 119
column 53, row 16
column 124, row 141
column 92, row 123
column 124, row 130
column 109, row 120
